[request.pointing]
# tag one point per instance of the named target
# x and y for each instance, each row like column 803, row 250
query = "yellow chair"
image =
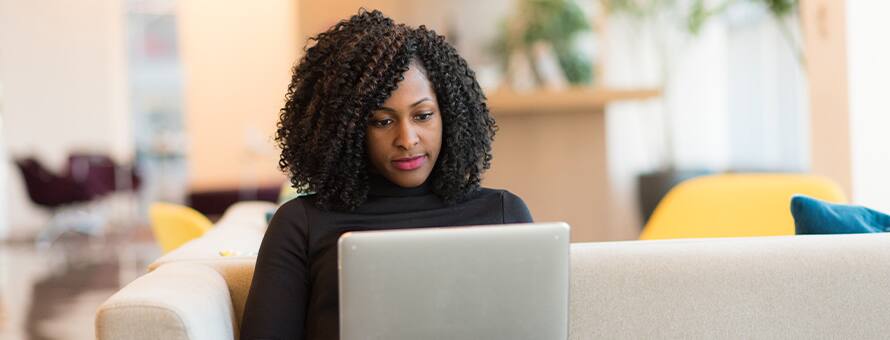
column 735, row 205
column 174, row 224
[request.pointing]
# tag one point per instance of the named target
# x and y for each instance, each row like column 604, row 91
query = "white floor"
column 53, row 293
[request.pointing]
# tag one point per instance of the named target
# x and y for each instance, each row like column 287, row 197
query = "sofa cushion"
column 246, row 215
column 214, row 245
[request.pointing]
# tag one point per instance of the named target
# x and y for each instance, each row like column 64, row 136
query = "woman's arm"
column 276, row 303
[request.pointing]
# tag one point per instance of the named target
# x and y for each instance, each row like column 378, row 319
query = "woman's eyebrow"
column 384, row 108
column 420, row 101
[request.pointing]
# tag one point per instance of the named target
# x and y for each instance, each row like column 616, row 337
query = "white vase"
column 520, row 72
column 546, row 63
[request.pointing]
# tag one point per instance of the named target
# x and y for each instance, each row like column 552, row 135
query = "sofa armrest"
column 175, row 301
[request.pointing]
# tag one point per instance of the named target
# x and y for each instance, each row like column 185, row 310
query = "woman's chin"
column 409, row 179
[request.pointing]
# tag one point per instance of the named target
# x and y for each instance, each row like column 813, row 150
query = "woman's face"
column 404, row 135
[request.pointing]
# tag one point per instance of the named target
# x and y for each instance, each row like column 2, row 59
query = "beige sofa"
column 768, row 287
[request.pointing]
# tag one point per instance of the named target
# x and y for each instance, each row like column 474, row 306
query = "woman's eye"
column 381, row 122
column 424, row 116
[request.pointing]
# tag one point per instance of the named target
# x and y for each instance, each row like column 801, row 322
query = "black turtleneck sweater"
column 294, row 290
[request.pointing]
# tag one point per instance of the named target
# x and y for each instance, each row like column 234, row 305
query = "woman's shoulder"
column 513, row 207
column 498, row 193
column 298, row 203
column 293, row 214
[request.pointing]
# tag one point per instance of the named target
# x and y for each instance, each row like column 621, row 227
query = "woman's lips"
column 409, row 163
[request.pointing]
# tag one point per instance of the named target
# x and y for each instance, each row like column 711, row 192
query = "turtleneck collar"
column 380, row 186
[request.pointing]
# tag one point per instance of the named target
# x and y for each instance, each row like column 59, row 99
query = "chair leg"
column 71, row 218
column 51, row 232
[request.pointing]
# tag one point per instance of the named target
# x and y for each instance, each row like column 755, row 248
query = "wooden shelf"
column 578, row 99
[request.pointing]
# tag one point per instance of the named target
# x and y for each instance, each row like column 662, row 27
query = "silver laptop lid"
column 487, row 282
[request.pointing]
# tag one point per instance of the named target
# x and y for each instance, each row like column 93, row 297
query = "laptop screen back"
column 487, row 282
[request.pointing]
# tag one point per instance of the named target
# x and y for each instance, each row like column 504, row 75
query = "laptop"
column 484, row 282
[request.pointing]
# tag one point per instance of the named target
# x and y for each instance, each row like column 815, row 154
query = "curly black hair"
column 349, row 71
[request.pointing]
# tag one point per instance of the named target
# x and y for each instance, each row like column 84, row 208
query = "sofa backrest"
column 765, row 287
column 816, row 286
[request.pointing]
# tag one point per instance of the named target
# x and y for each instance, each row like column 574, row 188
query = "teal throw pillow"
column 813, row 216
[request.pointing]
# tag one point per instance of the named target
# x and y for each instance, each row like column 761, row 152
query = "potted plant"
column 541, row 41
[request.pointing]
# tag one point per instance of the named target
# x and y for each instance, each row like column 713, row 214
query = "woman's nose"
column 407, row 137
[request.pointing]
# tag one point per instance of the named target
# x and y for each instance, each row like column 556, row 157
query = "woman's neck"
column 380, row 186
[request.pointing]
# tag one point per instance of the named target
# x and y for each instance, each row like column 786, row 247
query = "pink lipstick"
column 409, row 163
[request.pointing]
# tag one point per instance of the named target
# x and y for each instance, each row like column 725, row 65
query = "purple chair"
column 87, row 178
column 63, row 195
column 101, row 175
column 50, row 190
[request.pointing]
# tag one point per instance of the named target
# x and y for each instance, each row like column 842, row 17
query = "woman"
column 388, row 127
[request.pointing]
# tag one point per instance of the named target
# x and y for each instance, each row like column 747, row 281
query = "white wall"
column 62, row 64
column 868, row 67
column 693, row 110
column 237, row 59
column 734, row 99
column 634, row 130
column 768, row 102
column 4, row 176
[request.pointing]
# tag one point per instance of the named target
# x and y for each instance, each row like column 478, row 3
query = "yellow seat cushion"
column 174, row 225
column 735, row 205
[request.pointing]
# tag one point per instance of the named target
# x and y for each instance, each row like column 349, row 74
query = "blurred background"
column 108, row 106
